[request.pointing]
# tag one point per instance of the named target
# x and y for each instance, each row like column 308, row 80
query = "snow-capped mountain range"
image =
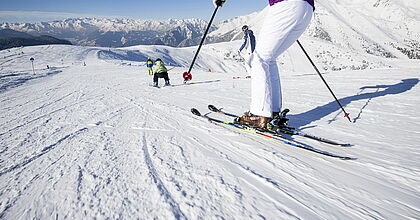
column 118, row 32
column 377, row 27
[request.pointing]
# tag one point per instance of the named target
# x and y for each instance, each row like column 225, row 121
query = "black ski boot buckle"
column 280, row 120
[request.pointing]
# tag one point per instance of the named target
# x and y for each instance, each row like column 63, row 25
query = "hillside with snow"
column 84, row 136
column 380, row 28
column 97, row 141
column 10, row 39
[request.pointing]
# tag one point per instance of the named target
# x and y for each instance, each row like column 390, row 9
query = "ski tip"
column 195, row 112
column 213, row 108
column 346, row 145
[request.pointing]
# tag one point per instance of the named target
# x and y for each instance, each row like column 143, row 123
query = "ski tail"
column 321, row 139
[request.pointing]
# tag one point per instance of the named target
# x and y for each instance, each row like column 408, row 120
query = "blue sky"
column 45, row 10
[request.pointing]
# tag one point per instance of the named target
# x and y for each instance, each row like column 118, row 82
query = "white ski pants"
column 283, row 25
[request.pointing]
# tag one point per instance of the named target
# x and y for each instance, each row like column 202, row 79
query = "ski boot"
column 155, row 84
column 167, row 83
column 279, row 121
column 252, row 120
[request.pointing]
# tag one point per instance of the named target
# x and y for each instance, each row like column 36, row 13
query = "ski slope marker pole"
column 187, row 75
column 325, row 82
column 32, row 62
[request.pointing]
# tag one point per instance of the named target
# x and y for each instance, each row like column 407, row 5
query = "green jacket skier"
column 160, row 71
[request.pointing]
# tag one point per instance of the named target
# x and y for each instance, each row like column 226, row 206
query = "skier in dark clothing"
column 247, row 47
column 160, row 71
column 249, row 39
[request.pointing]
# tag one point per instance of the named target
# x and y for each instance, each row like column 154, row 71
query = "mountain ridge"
column 118, row 32
column 11, row 38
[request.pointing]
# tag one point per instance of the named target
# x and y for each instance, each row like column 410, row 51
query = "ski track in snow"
column 43, row 151
column 96, row 141
column 160, row 185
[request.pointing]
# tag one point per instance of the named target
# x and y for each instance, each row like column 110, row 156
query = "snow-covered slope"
column 88, row 137
column 95, row 141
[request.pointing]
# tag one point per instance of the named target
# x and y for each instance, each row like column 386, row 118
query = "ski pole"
column 171, row 68
column 187, row 75
column 325, row 82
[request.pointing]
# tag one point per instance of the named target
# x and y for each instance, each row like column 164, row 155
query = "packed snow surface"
column 84, row 136
column 89, row 138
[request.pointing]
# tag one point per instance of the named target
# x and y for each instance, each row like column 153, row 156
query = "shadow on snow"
column 16, row 79
column 303, row 119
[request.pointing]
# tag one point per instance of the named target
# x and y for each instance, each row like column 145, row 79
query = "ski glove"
column 218, row 3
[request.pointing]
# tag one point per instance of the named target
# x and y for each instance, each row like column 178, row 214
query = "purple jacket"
column 311, row 2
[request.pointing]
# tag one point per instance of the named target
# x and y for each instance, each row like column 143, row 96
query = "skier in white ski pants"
column 284, row 24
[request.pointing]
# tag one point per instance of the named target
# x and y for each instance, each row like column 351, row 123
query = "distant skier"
column 283, row 25
column 149, row 64
column 160, row 71
column 248, row 45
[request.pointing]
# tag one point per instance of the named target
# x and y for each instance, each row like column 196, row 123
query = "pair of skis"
column 285, row 130
column 159, row 87
column 277, row 135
